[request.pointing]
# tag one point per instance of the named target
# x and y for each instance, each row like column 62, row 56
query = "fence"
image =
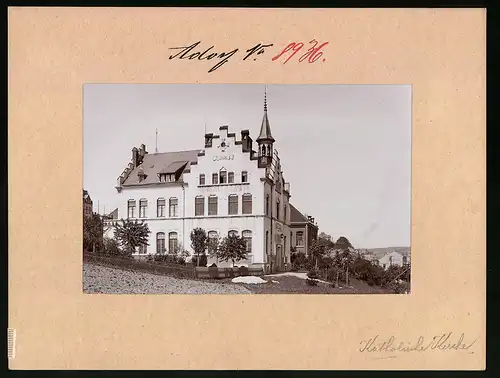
column 162, row 268
column 216, row 272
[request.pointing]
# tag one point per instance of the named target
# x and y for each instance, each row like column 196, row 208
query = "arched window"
column 199, row 206
column 143, row 205
column 172, row 242
column 263, row 150
column 160, row 207
column 268, row 150
column 173, row 206
column 299, row 238
column 160, row 242
column 202, row 179
column 212, row 241
column 247, row 204
column 247, row 236
column 223, row 176
column 233, row 204
column 232, row 233
column 131, row 208
column 212, row 205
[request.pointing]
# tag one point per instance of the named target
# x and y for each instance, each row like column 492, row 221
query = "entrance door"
column 279, row 258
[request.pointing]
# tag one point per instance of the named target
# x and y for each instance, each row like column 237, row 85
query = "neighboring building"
column 393, row 258
column 303, row 230
column 227, row 187
column 87, row 204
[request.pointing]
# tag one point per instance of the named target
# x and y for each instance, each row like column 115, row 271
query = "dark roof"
column 174, row 167
column 296, row 215
column 153, row 164
column 265, row 130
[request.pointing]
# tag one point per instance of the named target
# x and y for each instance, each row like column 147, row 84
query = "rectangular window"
column 278, row 210
column 173, row 206
column 215, row 178
column 223, row 177
column 267, row 205
column 233, row 204
column 244, row 176
column 143, row 204
column 172, row 242
column 230, row 177
column 212, row 205
column 199, row 206
column 247, row 204
column 131, row 209
column 299, row 237
column 247, row 236
column 143, row 249
column 160, row 208
column 160, row 242
column 202, row 179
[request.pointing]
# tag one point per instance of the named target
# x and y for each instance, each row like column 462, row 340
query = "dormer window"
column 167, row 177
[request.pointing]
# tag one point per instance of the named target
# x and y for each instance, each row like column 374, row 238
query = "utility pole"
column 156, row 143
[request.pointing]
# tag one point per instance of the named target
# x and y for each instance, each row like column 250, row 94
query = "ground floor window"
column 143, row 249
column 172, row 242
column 247, row 236
column 160, row 242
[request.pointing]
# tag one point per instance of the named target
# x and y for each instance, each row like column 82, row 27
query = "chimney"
column 208, row 140
column 135, row 156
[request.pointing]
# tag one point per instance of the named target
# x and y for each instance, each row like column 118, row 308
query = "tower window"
column 244, row 176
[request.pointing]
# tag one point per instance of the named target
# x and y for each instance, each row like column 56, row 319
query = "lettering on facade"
column 218, row 158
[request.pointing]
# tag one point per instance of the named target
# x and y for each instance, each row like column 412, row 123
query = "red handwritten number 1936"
column 312, row 54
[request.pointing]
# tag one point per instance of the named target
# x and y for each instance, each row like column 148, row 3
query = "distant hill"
column 379, row 252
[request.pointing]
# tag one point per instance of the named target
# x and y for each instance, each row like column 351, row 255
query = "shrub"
column 311, row 282
column 203, row 260
column 111, row 247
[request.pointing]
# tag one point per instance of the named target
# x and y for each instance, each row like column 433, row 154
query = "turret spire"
column 265, row 128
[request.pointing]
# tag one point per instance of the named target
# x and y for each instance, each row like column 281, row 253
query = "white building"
column 393, row 258
column 232, row 185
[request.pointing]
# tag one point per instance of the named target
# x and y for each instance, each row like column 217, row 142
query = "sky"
column 345, row 149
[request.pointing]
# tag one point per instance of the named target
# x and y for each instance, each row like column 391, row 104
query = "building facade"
column 303, row 231
column 231, row 186
column 87, row 204
column 393, row 259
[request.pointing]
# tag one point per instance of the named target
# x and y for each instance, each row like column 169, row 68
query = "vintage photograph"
column 246, row 189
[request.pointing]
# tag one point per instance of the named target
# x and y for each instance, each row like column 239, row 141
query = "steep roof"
column 153, row 164
column 296, row 215
column 265, row 128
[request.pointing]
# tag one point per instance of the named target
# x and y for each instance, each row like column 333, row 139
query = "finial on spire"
column 265, row 99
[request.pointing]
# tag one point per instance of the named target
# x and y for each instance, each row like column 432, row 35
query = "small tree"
column 232, row 247
column 93, row 233
column 318, row 250
column 131, row 234
column 199, row 242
